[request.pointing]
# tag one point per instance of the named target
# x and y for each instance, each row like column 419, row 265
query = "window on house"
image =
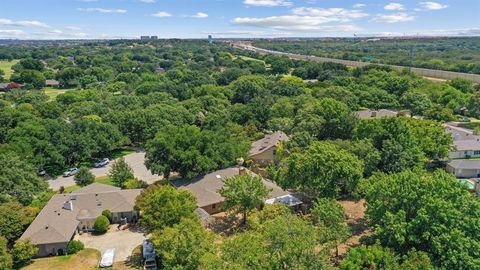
column 213, row 206
column 476, row 152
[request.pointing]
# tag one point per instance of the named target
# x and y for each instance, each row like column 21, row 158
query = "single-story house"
column 66, row 214
column 466, row 148
column 264, row 150
column 205, row 188
column 464, row 168
column 459, row 133
column 10, row 86
column 52, row 83
column 159, row 70
column 372, row 114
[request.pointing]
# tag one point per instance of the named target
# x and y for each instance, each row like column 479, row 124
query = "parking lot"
column 124, row 242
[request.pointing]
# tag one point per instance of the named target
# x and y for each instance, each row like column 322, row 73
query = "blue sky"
column 66, row 19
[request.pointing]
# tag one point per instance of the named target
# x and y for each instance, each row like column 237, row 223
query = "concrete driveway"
column 135, row 160
column 124, row 242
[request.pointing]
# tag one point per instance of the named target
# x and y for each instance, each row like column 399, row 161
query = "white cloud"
column 200, row 15
column 12, row 32
column 433, row 5
column 394, row 6
column 307, row 19
column 359, row 5
column 72, row 28
column 333, row 14
column 162, row 14
column 393, row 18
column 148, row 1
column 267, row 3
column 102, row 10
column 9, row 22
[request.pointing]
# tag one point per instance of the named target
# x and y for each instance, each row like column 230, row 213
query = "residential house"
column 66, row 214
column 10, row 86
column 373, row 114
column 466, row 144
column 264, row 150
column 464, row 168
column 52, row 83
column 205, row 188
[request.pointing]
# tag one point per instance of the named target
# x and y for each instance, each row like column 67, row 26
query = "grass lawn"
column 52, row 93
column 85, row 259
column 6, row 66
column 105, row 180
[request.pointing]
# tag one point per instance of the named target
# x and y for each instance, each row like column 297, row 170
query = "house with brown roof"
column 264, row 150
column 66, row 214
column 205, row 188
column 52, row 83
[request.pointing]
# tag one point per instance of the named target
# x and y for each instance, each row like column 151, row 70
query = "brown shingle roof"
column 467, row 145
column 267, row 142
column 56, row 224
column 205, row 189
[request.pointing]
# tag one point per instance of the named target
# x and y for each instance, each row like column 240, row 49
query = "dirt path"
column 355, row 212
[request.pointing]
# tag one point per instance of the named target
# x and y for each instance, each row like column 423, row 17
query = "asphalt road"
column 135, row 160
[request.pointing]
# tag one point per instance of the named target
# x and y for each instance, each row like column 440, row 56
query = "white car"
column 107, row 258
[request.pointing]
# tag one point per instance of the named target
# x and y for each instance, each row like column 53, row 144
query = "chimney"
column 242, row 170
column 68, row 205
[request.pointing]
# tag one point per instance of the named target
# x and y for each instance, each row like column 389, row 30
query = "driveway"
column 135, row 160
column 124, row 242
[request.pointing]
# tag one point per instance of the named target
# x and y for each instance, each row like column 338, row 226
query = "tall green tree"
column 121, row 172
column 192, row 151
column 330, row 217
column 14, row 219
column 84, row 177
column 164, row 206
column 429, row 212
column 184, row 245
column 23, row 251
column 323, row 170
column 6, row 261
column 244, row 192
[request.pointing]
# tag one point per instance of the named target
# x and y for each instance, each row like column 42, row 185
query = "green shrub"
column 135, row 183
column 101, row 224
column 107, row 213
column 74, row 246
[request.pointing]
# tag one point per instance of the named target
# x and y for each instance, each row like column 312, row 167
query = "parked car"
column 107, row 258
column 150, row 264
column 70, row 172
column 101, row 163
column 41, row 172
column 149, row 256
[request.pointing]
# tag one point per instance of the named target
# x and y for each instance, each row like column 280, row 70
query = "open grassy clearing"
column 52, row 93
column 83, row 260
column 6, row 66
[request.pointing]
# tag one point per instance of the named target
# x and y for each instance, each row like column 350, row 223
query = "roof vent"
column 73, row 197
column 218, row 176
column 46, row 227
column 68, row 205
column 99, row 203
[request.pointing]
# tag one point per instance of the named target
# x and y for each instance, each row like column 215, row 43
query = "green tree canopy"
column 6, row 261
column 84, row 177
column 23, row 251
column 164, row 206
column 191, row 151
column 323, row 170
column 244, row 192
column 101, row 224
column 429, row 212
column 121, row 172
column 184, row 245
column 14, row 219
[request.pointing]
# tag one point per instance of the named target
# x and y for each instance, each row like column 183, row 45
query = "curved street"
column 135, row 160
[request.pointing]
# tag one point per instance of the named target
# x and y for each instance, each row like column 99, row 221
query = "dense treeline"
column 196, row 108
column 452, row 54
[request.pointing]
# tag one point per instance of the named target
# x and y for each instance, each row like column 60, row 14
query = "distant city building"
column 145, row 37
column 210, row 39
column 154, row 37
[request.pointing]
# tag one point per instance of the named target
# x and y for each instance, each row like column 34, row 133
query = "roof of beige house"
column 58, row 220
column 96, row 188
column 467, row 145
column 371, row 114
column 267, row 142
column 205, row 189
